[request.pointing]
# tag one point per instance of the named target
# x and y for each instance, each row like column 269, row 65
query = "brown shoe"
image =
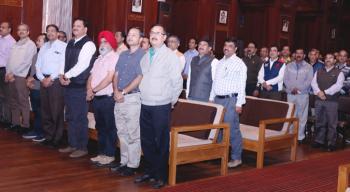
column 78, row 153
column 67, row 150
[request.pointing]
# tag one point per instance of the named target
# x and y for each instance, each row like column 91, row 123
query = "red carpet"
column 319, row 174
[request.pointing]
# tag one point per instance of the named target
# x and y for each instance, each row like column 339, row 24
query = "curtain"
column 58, row 12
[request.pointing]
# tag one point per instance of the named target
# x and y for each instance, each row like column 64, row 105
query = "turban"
column 109, row 38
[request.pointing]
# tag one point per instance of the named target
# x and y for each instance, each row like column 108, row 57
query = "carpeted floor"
column 312, row 175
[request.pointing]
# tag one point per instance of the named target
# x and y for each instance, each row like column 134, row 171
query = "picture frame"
column 223, row 16
column 136, row 6
column 285, row 25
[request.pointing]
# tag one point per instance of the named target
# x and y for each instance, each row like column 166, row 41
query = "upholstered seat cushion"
column 252, row 132
column 186, row 140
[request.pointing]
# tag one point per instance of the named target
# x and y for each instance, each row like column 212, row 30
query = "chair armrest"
column 343, row 177
column 176, row 130
column 264, row 123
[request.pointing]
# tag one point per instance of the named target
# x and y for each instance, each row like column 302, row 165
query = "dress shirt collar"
column 76, row 40
column 328, row 69
column 231, row 57
column 22, row 41
column 6, row 37
column 272, row 61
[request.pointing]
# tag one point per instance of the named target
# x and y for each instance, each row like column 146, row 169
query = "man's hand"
column 47, row 82
column 89, row 95
column 118, row 97
column 264, row 85
column 295, row 91
column 256, row 93
column 239, row 110
column 321, row 95
column 269, row 87
column 30, row 82
column 9, row 78
column 64, row 81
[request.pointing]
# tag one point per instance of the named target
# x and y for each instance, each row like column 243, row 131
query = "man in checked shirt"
column 229, row 89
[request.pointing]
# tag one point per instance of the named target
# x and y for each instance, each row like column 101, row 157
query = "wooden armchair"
column 343, row 178
column 194, row 135
column 269, row 128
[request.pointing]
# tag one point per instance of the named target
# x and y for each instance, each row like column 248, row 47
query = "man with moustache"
column 297, row 80
column 344, row 66
column 160, row 88
column 270, row 77
column 314, row 62
column 100, row 92
column 78, row 62
column 173, row 43
column 6, row 43
column 285, row 55
column 49, row 64
column 202, row 73
column 253, row 63
column 17, row 68
column 326, row 84
column 229, row 89
column 128, row 103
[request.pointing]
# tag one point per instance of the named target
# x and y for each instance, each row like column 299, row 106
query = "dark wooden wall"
column 29, row 13
column 115, row 15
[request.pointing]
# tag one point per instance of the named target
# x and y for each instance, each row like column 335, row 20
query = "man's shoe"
column 119, row 168
column 106, row 161
column 144, row 178
column 96, row 159
column 67, row 150
column 30, row 135
column 128, row 171
column 39, row 139
column 78, row 153
column 331, row 148
column 158, row 184
column 234, row 163
column 12, row 127
column 316, row 145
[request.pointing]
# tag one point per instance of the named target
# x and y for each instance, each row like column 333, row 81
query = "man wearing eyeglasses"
column 160, row 88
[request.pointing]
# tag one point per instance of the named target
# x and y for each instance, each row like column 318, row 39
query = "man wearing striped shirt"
column 229, row 89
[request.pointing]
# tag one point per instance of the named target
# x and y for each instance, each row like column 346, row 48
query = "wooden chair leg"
column 343, row 179
column 224, row 161
column 260, row 159
column 172, row 172
column 293, row 151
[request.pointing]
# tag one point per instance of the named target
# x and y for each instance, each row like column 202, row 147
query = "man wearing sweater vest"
column 270, row 77
column 78, row 63
column 326, row 84
column 160, row 88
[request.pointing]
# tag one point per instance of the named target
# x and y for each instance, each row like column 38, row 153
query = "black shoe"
column 158, row 184
column 12, row 127
column 128, row 171
column 316, row 145
column 303, row 141
column 331, row 148
column 144, row 178
column 118, row 168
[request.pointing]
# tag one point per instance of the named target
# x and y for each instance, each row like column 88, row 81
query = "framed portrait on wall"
column 223, row 17
column 285, row 25
column 136, row 6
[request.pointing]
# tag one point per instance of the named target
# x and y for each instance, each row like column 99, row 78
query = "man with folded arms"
column 229, row 89
column 326, row 84
column 17, row 70
column 100, row 91
column 128, row 104
column 50, row 61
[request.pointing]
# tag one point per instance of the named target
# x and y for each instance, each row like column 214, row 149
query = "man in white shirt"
column 120, row 37
column 78, row 63
column 229, row 89
column 50, row 62
column 202, row 74
column 173, row 43
column 326, row 84
column 6, row 43
column 17, row 69
column 270, row 77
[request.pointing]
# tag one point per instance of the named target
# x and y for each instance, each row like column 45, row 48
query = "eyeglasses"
column 156, row 33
